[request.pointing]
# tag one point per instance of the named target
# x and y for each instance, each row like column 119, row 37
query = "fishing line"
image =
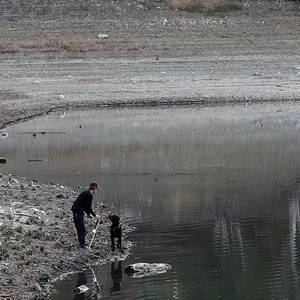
column 103, row 205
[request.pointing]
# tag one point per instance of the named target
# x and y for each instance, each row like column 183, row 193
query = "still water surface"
column 213, row 191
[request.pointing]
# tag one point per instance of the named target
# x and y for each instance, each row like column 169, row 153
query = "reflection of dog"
column 115, row 232
column 117, row 277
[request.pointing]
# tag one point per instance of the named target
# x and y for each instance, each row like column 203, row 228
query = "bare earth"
column 51, row 57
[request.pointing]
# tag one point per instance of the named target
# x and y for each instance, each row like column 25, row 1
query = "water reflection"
column 81, row 280
column 116, row 277
column 212, row 191
column 294, row 227
column 82, row 291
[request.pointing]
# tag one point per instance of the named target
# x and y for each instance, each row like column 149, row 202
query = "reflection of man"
column 116, row 276
column 81, row 280
column 97, row 293
column 81, row 288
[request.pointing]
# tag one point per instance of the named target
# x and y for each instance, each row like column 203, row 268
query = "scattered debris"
column 34, row 160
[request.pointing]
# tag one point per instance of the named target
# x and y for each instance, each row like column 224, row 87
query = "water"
column 213, row 191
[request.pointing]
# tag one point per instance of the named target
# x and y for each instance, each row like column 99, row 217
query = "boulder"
column 139, row 270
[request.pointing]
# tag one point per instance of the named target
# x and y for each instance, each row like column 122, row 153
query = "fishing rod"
column 103, row 205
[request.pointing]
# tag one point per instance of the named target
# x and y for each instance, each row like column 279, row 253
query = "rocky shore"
column 38, row 242
column 53, row 57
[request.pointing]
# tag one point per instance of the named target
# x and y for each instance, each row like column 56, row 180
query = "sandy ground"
column 157, row 56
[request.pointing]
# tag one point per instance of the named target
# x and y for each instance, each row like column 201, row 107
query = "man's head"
column 94, row 187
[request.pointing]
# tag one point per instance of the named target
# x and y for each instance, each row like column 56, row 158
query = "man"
column 83, row 204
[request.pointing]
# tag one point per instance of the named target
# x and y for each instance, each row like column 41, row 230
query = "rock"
column 139, row 270
column 17, row 204
column 102, row 36
column 142, row 4
column 34, row 211
column 38, row 288
column 9, row 212
column 61, row 196
column 80, row 289
column 2, row 160
column 3, row 135
column 61, row 97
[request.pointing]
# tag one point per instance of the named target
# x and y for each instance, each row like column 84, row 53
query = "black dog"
column 115, row 232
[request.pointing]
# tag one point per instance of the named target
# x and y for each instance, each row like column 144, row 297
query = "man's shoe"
column 84, row 247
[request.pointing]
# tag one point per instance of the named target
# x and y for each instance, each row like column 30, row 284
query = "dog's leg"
column 113, row 244
column 119, row 244
column 112, row 238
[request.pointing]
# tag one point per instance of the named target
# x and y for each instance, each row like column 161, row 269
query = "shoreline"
column 196, row 81
column 153, row 103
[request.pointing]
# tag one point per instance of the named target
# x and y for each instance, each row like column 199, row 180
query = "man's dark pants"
column 80, row 227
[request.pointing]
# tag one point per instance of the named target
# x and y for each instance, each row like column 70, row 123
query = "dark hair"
column 94, row 185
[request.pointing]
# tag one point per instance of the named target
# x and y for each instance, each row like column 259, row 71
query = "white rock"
column 17, row 204
column 80, row 289
column 102, row 36
column 4, row 135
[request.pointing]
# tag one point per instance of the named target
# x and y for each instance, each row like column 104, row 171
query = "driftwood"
column 139, row 270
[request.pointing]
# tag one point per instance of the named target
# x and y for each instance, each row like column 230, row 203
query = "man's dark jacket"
column 83, row 204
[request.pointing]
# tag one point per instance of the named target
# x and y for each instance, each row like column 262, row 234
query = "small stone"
column 60, row 196
column 102, row 36
column 2, row 160
column 4, row 135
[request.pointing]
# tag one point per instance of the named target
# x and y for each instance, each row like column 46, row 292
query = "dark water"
column 213, row 191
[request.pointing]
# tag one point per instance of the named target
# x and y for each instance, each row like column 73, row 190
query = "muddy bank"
column 38, row 240
column 158, row 55
column 212, row 79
